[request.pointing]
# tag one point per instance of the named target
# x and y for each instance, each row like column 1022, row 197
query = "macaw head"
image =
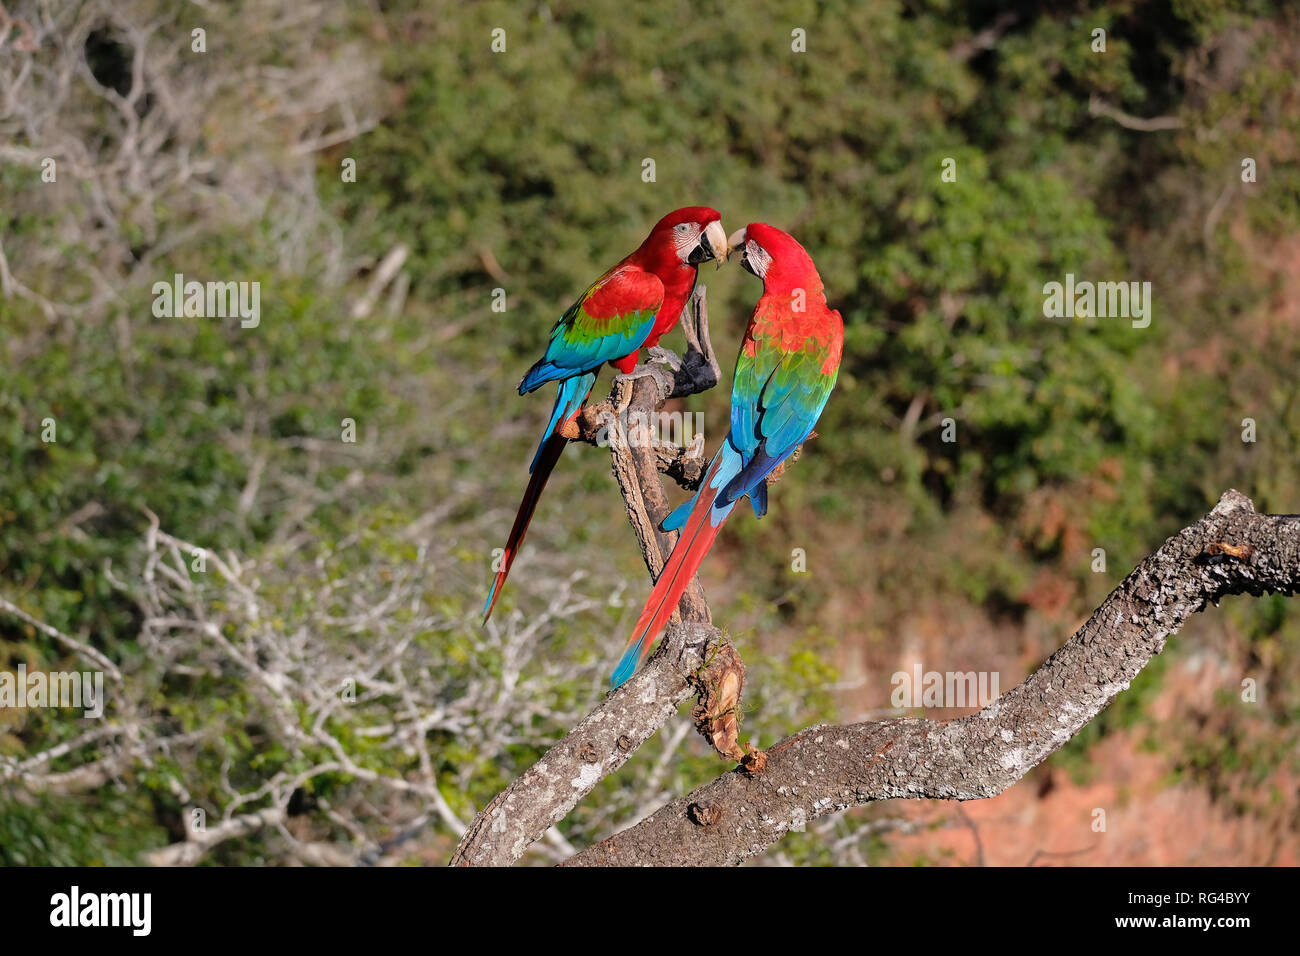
column 692, row 235
column 775, row 257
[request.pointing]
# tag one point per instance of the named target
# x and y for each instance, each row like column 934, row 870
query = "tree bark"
column 1232, row 550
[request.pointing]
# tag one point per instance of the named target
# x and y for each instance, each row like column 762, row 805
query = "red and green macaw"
column 626, row 309
column 787, row 366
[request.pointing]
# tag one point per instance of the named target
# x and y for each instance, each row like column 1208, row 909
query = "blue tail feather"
column 626, row 667
column 729, row 464
column 679, row 515
column 573, row 392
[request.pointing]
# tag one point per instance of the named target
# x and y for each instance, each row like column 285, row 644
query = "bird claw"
column 664, row 378
column 696, row 374
column 663, row 356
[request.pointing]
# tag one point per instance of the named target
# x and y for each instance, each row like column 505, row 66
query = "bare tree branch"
column 825, row 769
column 985, row 39
column 1099, row 107
column 71, row 643
column 192, row 850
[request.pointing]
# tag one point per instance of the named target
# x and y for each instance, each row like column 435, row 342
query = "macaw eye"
column 756, row 259
column 682, row 226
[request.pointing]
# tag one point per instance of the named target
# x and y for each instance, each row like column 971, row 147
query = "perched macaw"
column 627, row 308
column 787, row 366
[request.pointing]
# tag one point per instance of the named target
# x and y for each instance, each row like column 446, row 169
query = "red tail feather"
column 697, row 537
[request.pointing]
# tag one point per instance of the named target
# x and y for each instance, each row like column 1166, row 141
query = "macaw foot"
column 665, row 378
column 695, row 374
column 663, row 356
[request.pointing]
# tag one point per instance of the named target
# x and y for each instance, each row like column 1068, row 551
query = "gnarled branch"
column 1232, row 550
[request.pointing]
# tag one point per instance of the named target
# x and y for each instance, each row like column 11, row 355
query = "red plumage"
column 661, row 270
column 788, row 363
column 694, row 543
column 658, row 254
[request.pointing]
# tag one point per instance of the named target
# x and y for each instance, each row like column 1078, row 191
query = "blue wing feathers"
column 540, row 374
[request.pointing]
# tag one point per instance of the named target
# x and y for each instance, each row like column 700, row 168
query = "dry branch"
column 193, row 849
column 1232, row 550
column 1099, row 107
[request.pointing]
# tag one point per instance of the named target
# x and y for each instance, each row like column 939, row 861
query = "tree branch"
column 821, row 770
column 1099, row 107
column 191, row 850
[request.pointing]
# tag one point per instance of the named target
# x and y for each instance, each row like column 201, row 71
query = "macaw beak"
column 736, row 243
column 715, row 240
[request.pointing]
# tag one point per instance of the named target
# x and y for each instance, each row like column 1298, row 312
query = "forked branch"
column 821, row 770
